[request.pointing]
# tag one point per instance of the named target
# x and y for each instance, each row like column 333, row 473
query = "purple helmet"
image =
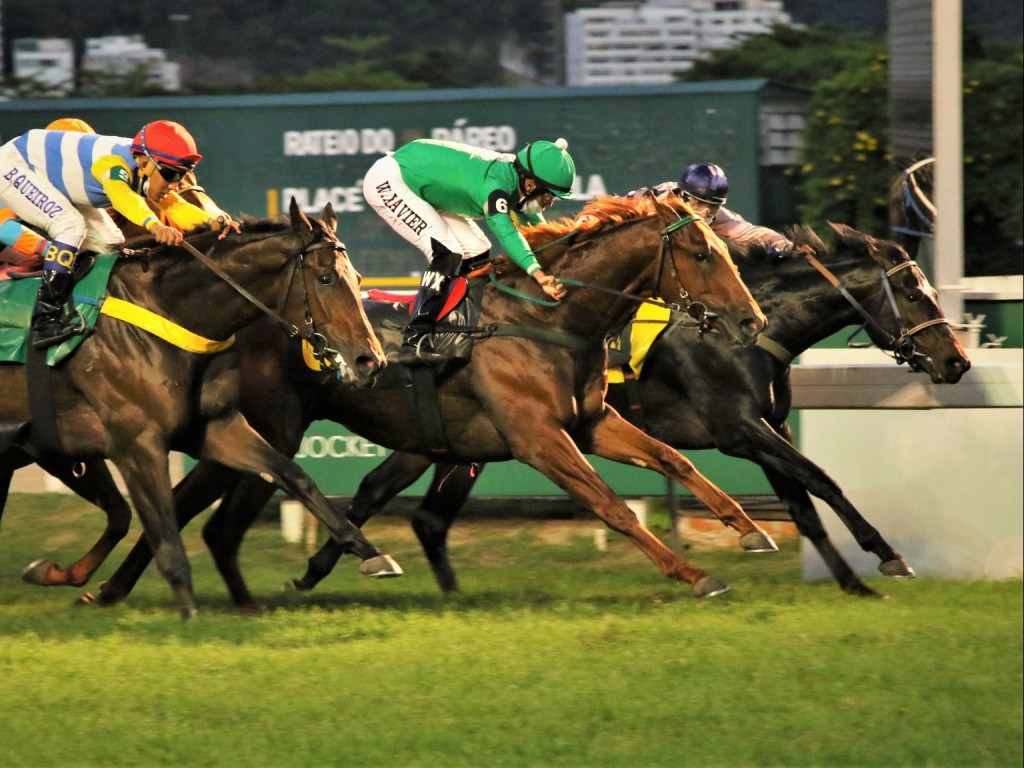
column 705, row 181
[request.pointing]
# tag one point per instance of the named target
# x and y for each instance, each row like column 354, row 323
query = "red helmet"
column 163, row 141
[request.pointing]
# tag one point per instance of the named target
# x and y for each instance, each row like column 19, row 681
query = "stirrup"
column 416, row 353
column 58, row 330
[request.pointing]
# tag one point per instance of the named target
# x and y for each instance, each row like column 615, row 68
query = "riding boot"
column 417, row 344
column 50, row 324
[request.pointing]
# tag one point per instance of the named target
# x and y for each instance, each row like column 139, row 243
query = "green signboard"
column 337, row 461
column 261, row 151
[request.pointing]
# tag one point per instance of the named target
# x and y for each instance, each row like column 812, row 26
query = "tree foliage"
column 848, row 166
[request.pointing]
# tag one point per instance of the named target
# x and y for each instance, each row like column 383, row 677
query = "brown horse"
column 536, row 396
column 696, row 393
column 132, row 397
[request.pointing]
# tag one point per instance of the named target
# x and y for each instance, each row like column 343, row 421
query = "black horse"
column 132, row 396
column 696, row 393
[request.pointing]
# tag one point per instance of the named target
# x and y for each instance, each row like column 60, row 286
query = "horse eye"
column 701, row 256
column 326, row 279
column 915, row 295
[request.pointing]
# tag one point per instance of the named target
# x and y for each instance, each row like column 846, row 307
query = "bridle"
column 316, row 340
column 901, row 347
column 916, row 202
column 694, row 309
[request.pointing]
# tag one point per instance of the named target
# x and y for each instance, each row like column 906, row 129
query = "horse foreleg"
column 612, row 437
column 144, row 466
column 232, row 442
column 385, row 481
column 793, row 476
column 447, row 495
column 200, row 488
column 97, row 486
column 554, row 454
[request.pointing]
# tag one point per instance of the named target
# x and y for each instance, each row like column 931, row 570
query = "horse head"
column 698, row 273
column 910, row 322
column 332, row 310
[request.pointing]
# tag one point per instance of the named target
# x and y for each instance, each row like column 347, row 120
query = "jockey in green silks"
column 430, row 192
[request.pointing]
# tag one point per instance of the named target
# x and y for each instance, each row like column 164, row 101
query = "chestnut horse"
column 695, row 393
column 132, row 397
column 535, row 394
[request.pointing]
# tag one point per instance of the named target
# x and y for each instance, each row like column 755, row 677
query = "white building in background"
column 645, row 43
column 48, row 61
column 123, row 54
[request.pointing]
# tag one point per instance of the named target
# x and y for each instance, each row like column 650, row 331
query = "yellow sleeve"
column 115, row 177
column 181, row 213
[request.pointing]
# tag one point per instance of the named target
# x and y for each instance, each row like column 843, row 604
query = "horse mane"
column 603, row 211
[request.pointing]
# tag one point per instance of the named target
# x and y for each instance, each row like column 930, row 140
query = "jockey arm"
column 499, row 220
column 730, row 225
column 175, row 212
column 115, row 177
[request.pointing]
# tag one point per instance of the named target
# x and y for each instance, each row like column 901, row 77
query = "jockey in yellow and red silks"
column 61, row 182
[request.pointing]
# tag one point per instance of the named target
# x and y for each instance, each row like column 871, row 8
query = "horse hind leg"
column 97, row 486
column 447, row 495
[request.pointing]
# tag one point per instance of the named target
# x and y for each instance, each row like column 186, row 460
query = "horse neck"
column 802, row 306
column 622, row 260
column 181, row 288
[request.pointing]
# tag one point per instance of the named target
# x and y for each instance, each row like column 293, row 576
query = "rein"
column 316, row 340
column 901, row 347
column 695, row 309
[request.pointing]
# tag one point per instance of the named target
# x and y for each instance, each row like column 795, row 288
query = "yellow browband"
column 162, row 327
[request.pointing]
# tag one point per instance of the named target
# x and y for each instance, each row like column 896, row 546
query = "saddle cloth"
column 18, row 297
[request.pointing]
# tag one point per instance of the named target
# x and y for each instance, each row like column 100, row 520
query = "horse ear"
column 299, row 219
column 330, row 219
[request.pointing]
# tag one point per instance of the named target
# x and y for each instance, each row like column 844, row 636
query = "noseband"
column 901, row 347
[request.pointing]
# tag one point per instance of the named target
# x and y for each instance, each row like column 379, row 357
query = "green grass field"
column 554, row 654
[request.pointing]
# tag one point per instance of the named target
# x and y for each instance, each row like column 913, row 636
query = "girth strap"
column 575, row 343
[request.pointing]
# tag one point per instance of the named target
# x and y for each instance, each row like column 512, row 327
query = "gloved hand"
column 773, row 253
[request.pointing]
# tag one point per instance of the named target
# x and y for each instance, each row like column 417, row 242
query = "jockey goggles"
column 170, row 173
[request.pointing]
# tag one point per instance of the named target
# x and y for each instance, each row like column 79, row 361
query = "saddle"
column 389, row 314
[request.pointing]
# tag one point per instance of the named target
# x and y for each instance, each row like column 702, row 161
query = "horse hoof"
column 188, row 612
column 87, row 599
column 758, row 541
column 35, row 572
column 709, row 586
column 897, row 569
column 381, row 567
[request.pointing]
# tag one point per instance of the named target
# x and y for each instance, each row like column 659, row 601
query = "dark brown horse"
column 132, row 397
column 536, row 395
column 89, row 478
column 695, row 392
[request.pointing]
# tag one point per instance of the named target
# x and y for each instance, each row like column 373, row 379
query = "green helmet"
column 549, row 165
